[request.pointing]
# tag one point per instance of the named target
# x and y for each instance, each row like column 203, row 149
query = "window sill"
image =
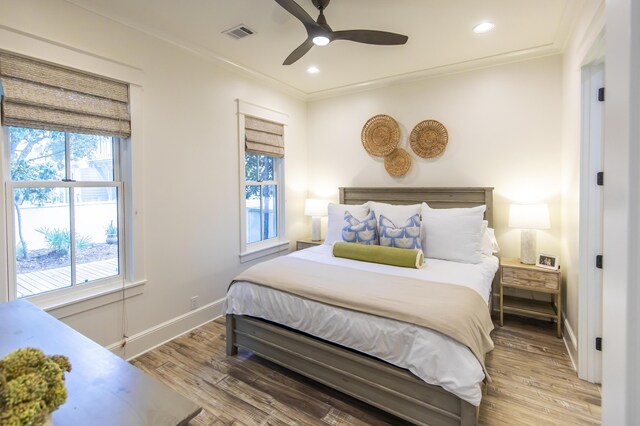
column 263, row 251
column 62, row 304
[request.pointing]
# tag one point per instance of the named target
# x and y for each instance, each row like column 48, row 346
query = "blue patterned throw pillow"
column 406, row 236
column 363, row 231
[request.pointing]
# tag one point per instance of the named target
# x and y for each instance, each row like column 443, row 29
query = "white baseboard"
column 160, row 334
column 572, row 344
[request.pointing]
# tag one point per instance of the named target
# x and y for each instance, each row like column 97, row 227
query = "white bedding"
column 433, row 357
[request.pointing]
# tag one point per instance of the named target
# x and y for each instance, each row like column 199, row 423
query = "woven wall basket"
column 429, row 139
column 398, row 162
column 380, row 135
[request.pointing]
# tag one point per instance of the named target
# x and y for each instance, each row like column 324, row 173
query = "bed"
column 392, row 379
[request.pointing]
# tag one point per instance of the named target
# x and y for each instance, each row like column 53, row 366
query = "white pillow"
column 489, row 242
column 459, row 211
column 397, row 214
column 336, row 219
column 453, row 234
column 485, row 246
column 428, row 211
column 453, row 237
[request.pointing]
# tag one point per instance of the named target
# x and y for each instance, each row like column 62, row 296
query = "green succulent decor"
column 31, row 386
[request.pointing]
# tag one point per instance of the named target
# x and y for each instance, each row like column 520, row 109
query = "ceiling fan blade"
column 296, row 10
column 299, row 52
column 370, row 37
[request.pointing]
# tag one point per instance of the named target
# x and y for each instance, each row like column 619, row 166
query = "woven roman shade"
column 263, row 137
column 44, row 96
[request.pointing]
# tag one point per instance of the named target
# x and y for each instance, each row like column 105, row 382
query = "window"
column 65, row 136
column 65, row 190
column 261, row 197
column 262, row 159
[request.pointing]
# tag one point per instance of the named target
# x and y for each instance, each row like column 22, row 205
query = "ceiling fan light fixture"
column 313, row 69
column 321, row 40
column 319, row 33
column 483, row 27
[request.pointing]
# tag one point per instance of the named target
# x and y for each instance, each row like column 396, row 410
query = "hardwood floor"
column 533, row 383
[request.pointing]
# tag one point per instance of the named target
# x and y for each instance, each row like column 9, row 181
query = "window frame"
column 277, row 171
column 62, row 304
column 10, row 215
column 252, row 251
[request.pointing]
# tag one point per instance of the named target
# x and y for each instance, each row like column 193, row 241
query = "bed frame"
column 392, row 389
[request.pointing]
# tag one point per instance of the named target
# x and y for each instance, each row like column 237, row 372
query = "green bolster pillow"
column 406, row 258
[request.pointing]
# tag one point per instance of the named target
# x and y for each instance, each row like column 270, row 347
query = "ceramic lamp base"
column 528, row 246
column 315, row 228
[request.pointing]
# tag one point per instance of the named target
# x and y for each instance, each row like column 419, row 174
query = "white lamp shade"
column 315, row 207
column 529, row 216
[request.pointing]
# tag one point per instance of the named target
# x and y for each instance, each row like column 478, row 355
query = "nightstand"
column 306, row 243
column 514, row 274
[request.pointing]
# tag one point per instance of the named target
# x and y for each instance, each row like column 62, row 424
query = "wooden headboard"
column 437, row 198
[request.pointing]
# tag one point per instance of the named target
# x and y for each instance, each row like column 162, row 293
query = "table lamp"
column 315, row 208
column 529, row 218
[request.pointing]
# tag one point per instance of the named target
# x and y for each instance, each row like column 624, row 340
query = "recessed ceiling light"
column 321, row 40
column 483, row 27
column 313, row 69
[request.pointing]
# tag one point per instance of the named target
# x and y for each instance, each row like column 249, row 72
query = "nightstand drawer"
column 529, row 278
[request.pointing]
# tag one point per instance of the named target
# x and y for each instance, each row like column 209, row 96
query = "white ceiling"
column 440, row 35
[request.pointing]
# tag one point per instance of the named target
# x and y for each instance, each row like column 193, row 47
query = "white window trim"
column 74, row 300
column 249, row 252
column 4, row 259
column 66, row 302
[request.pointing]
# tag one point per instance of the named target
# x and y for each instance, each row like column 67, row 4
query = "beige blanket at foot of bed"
column 455, row 311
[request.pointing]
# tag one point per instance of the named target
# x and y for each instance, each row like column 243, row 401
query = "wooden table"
column 514, row 274
column 102, row 388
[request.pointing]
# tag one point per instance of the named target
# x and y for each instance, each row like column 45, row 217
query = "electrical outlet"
column 194, row 302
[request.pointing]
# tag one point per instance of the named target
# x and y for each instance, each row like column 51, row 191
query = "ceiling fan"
column 321, row 34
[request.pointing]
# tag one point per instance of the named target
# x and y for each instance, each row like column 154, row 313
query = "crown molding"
column 455, row 68
column 570, row 17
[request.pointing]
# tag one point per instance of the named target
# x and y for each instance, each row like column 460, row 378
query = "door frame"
column 591, row 223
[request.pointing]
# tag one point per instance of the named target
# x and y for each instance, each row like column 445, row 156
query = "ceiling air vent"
column 239, row 31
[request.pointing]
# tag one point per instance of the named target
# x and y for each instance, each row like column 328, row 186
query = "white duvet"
column 431, row 356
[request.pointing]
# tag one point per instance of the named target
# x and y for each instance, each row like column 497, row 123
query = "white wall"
column 190, row 209
column 504, row 127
